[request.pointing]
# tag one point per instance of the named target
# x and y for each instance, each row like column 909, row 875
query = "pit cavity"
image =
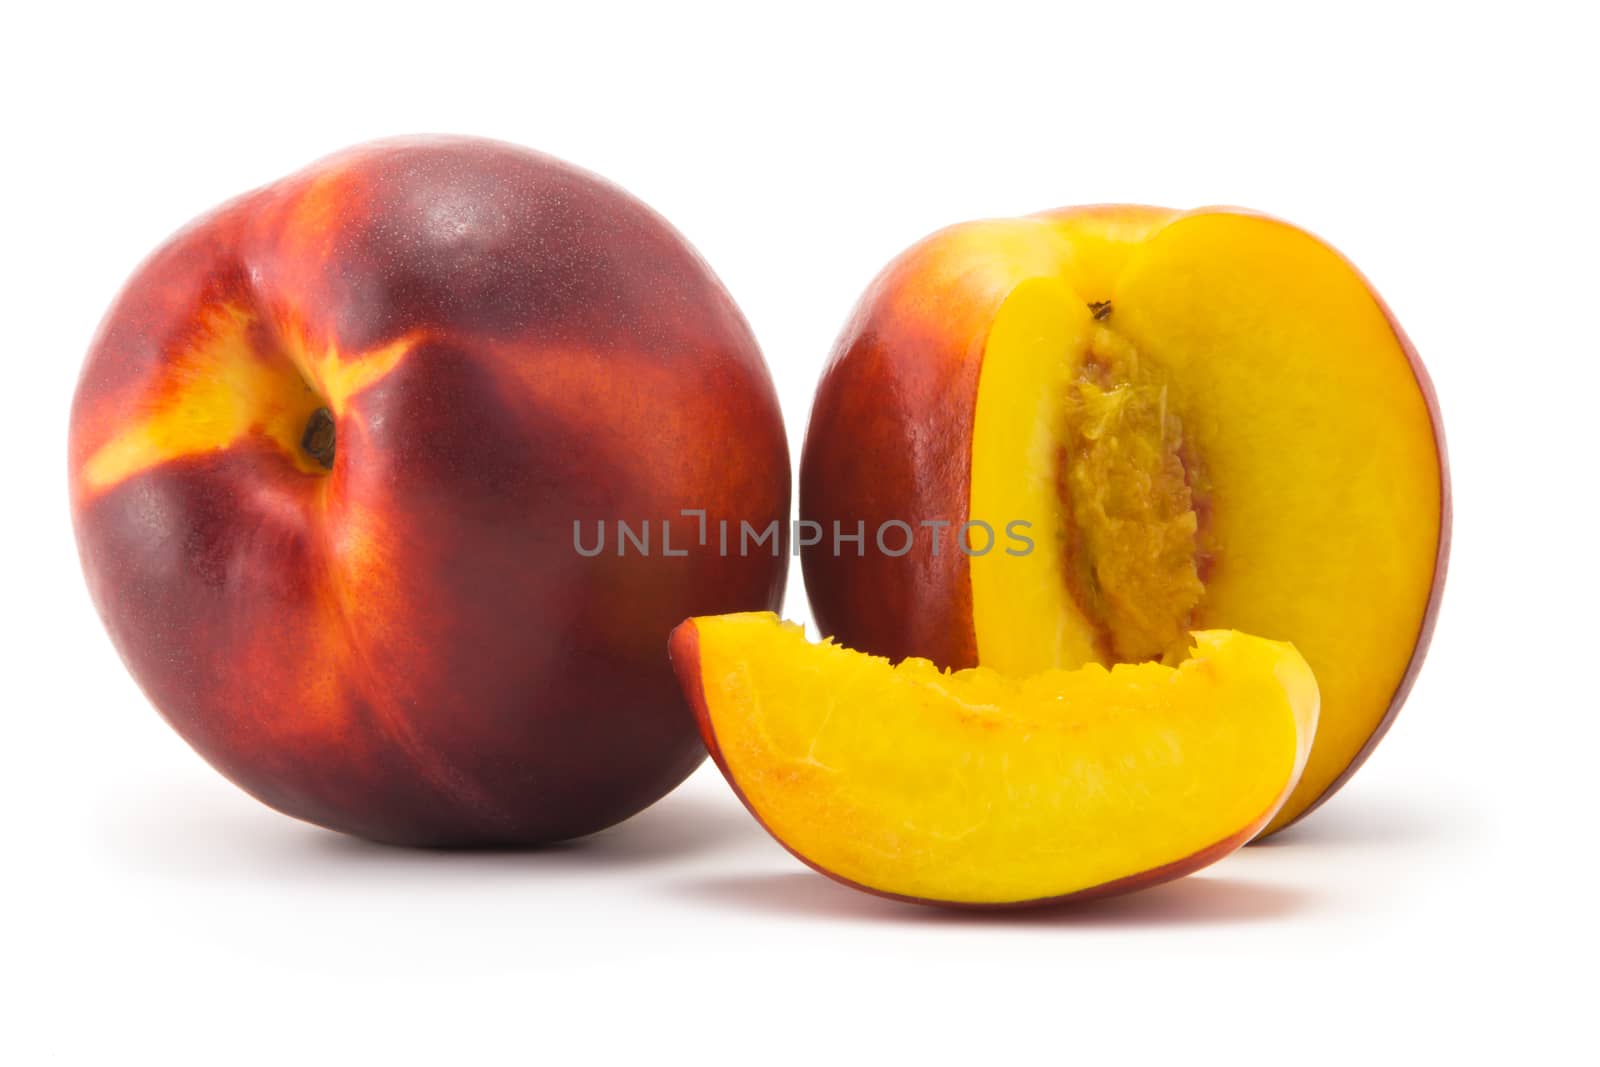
column 1128, row 485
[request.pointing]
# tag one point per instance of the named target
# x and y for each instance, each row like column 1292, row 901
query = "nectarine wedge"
column 1193, row 420
column 978, row 788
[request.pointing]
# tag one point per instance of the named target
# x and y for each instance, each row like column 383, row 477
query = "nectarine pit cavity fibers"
column 325, row 454
column 1132, row 546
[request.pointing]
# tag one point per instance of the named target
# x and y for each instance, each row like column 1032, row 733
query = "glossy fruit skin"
column 873, row 455
column 409, row 648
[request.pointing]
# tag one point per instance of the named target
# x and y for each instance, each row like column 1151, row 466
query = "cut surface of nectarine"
column 1203, row 420
column 977, row 788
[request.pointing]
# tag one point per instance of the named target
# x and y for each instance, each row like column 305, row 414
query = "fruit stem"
column 319, row 438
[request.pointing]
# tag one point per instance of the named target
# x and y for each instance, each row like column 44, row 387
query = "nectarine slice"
column 1199, row 420
column 978, row 788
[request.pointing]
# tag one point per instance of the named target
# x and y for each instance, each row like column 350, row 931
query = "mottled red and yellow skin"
column 407, row 646
column 914, row 345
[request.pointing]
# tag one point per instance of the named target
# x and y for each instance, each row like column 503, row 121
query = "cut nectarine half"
column 1196, row 420
column 977, row 788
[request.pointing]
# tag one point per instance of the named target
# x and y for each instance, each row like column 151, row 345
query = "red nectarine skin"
column 684, row 651
column 860, row 449
column 408, row 647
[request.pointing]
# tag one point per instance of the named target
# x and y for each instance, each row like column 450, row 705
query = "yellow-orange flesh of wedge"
column 977, row 788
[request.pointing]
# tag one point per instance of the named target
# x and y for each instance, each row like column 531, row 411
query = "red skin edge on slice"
column 684, row 649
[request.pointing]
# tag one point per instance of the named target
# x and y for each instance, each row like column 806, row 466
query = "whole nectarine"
column 328, row 458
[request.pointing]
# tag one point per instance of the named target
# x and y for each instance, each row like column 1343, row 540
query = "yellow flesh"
column 1303, row 503
column 977, row 787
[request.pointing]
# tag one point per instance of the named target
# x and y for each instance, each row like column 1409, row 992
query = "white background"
column 1441, row 904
